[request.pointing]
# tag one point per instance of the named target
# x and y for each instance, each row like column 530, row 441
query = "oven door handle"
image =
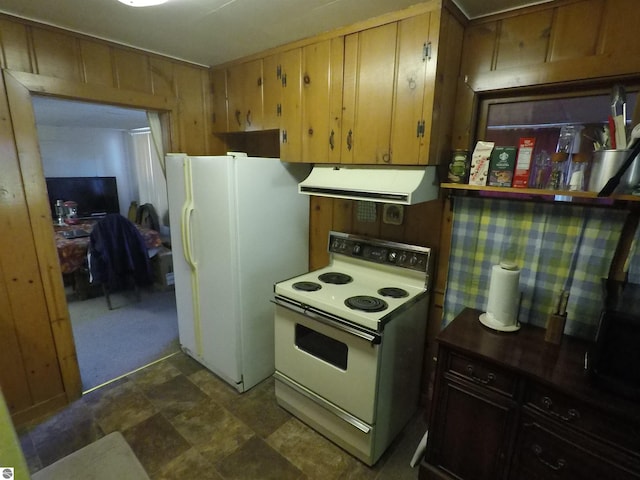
column 326, row 319
column 347, row 417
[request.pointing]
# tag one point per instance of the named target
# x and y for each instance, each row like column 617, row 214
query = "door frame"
column 19, row 88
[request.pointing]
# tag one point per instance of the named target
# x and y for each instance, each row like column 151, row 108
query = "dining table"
column 72, row 252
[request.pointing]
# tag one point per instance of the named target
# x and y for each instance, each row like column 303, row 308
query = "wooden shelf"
column 538, row 193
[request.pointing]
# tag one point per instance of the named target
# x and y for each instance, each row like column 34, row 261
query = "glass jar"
column 577, row 172
column 558, row 173
column 541, row 170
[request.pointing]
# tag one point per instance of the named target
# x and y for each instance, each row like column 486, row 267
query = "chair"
column 117, row 256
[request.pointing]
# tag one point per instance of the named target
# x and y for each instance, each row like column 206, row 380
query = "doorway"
column 82, row 139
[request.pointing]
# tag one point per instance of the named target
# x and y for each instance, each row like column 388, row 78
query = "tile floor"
column 183, row 422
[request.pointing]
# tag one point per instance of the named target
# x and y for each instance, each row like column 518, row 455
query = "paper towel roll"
column 504, row 296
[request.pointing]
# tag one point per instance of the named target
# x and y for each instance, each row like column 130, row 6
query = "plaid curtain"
column 557, row 247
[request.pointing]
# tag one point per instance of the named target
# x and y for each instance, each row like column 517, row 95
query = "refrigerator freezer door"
column 200, row 214
column 247, row 229
column 177, row 195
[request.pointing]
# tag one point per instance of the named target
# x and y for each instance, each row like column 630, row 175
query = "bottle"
column 561, row 159
column 542, row 168
column 577, row 172
column 558, row 171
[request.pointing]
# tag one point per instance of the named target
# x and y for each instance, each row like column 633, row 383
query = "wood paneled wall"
column 38, row 365
column 559, row 44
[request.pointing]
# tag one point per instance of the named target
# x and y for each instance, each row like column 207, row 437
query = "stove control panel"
column 380, row 251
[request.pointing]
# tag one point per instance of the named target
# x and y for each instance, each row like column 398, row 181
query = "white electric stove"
column 349, row 341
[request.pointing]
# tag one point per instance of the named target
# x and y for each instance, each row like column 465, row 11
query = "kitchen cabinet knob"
column 306, row 79
column 310, row 131
column 386, row 158
column 259, row 81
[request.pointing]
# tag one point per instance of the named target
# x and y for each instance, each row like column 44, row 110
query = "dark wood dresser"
column 512, row 406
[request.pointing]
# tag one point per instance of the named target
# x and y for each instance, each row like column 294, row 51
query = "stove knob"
column 357, row 249
column 392, row 256
column 413, row 260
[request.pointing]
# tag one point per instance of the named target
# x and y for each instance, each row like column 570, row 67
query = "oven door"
column 329, row 358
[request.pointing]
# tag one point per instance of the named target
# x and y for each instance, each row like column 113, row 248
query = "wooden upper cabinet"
column 272, row 91
column 428, row 65
column 291, row 119
column 412, row 89
column 219, row 101
column 282, row 107
column 322, row 70
column 244, row 94
column 380, row 95
column 369, row 67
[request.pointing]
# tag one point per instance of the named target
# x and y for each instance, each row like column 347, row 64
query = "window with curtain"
column 152, row 186
column 557, row 246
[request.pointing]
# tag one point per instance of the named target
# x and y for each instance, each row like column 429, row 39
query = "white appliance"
column 238, row 224
column 350, row 342
column 404, row 185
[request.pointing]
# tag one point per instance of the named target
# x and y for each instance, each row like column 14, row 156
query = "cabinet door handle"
column 332, row 142
column 560, row 463
column 349, row 140
column 484, row 381
column 248, row 117
column 572, row 413
column 238, row 118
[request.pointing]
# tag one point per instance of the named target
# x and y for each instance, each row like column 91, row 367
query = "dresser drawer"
column 578, row 415
column 542, row 454
column 482, row 373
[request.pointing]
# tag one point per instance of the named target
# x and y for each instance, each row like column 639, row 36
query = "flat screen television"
column 95, row 196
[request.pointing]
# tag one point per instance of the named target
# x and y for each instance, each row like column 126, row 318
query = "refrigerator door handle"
column 187, row 248
column 187, row 212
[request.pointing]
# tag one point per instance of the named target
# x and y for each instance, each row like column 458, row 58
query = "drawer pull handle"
column 537, row 450
column 484, row 381
column 572, row 413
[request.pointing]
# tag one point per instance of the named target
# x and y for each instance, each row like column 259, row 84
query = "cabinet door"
column 219, row 101
column 369, row 68
column 282, row 101
column 408, row 127
column 291, row 119
column 322, row 68
column 272, row 90
column 244, row 90
column 470, row 432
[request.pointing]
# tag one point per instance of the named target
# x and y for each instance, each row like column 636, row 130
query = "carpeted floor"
column 111, row 343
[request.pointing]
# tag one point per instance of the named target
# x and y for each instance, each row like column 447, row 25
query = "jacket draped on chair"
column 117, row 252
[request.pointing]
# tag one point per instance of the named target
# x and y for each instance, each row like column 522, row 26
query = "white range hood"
column 385, row 184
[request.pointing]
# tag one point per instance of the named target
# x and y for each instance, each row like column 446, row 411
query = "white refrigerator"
column 238, row 225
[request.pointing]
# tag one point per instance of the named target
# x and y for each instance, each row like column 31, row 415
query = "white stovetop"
column 368, row 278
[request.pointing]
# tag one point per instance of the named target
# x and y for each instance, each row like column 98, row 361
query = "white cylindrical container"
column 504, row 299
